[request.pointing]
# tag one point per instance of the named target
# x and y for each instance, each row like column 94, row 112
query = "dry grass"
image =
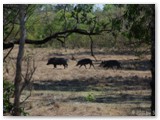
column 60, row 91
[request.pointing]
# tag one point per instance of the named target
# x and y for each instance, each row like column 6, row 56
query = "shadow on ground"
column 95, row 84
column 109, row 88
column 106, row 85
column 115, row 99
column 142, row 65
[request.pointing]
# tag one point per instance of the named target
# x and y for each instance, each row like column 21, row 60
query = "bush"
column 8, row 90
column 90, row 97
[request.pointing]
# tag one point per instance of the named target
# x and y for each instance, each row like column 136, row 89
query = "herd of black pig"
column 83, row 62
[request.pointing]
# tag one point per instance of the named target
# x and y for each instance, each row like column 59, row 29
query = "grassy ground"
column 85, row 92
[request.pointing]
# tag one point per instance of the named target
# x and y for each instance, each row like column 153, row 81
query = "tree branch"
column 8, row 53
column 58, row 34
column 7, row 45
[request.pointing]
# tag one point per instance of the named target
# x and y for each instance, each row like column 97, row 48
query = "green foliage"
column 117, row 24
column 58, row 7
column 131, row 21
column 137, row 20
column 90, row 97
column 8, row 90
column 22, row 111
column 108, row 7
column 10, row 16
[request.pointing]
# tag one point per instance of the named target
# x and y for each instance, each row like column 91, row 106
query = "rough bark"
column 18, row 78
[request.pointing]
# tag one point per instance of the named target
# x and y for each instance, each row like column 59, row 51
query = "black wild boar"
column 85, row 62
column 111, row 64
column 58, row 61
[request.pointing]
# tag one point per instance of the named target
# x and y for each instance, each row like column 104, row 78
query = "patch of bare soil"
column 78, row 91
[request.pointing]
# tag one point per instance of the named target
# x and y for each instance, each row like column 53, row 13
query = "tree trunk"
column 18, row 78
column 91, row 47
column 152, row 84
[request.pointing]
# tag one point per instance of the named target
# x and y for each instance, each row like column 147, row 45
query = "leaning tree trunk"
column 91, row 47
column 152, row 84
column 18, row 78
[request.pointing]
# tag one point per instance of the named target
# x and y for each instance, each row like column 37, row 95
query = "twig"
column 27, row 96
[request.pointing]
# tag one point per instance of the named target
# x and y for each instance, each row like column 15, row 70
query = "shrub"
column 90, row 97
column 8, row 90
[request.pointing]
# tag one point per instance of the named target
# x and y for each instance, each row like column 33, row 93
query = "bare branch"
column 29, row 74
column 60, row 40
column 27, row 96
column 8, row 52
column 8, row 45
column 55, row 35
column 58, row 34
column 9, row 33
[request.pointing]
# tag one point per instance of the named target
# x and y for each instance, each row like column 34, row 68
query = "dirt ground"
column 78, row 91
